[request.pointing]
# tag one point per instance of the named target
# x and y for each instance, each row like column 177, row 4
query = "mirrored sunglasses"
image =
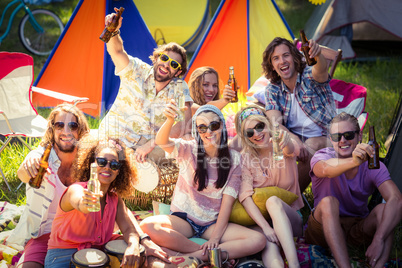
column 174, row 64
column 73, row 126
column 102, row 162
column 259, row 127
column 349, row 135
column 213, row 126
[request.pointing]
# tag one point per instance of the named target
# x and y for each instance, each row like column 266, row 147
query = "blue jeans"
column 59, row 257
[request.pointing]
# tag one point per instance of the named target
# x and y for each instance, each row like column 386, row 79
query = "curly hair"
column 89, row 148
column 195, row 84
column 172, row 46
column 267, row 66
column 240, row 125
column 83, row 127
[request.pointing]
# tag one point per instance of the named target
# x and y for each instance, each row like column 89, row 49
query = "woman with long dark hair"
column 207, row 186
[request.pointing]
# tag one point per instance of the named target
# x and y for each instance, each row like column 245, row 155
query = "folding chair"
column 350, row 98
column 18, row 116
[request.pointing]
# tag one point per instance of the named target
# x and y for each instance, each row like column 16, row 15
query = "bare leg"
column 327, row 213
column 371, row 224
column 271, row 256
column 238, row 241
column 171, row 232
column 278, row 211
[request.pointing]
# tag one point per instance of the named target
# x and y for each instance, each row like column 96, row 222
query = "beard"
column 66, row 148
column 159, row 78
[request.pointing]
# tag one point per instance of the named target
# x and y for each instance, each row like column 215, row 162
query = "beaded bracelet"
column 115, row 33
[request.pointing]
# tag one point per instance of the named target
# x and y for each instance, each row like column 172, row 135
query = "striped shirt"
column 37, row 218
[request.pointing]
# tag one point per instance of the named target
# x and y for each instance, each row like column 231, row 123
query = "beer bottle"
column 94, row 186
column 36, row 181
column 180, row 101
column 277, row 153
column 305, row 48
column 111, row 28
column 233, row 83
column 373, row 162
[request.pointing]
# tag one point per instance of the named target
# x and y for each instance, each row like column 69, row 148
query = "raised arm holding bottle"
column 137, row 113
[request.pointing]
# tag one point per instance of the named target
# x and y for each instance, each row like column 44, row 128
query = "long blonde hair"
column 240, row 124
column 195, row 84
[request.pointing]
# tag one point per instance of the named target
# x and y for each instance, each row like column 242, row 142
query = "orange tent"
column 237, row 36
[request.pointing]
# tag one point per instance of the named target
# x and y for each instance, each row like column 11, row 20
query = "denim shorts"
column 59, row 257
column 198, row 229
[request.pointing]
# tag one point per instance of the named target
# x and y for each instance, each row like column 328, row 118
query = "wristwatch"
column 144, row 236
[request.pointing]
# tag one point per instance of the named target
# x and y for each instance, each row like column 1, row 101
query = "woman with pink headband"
column 260, row 170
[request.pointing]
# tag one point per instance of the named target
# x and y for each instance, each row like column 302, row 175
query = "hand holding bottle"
column 228, row 94
column 112, row 24
column 171, row 110
column 91, row 200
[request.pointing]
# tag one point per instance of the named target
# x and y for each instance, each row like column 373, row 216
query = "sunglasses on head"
column 259, row 127
column 102, row 162
column 213, row 126
column 73, row 126
column 349, row 135
column 174, row 64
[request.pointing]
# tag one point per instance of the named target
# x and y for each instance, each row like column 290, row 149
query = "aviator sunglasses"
column 213, row 126
column 73, row 126
column 259, row 127
column 102, row 162
column 174, row 64
column 349, row 135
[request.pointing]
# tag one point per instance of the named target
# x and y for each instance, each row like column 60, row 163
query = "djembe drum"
column 90, row 257
column 115, row 250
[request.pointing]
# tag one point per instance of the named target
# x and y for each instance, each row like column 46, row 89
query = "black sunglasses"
column 259, row 127
column 174, row 64
column 73, row 126
column 349, row 135
column 102, row 162
column 213, row 126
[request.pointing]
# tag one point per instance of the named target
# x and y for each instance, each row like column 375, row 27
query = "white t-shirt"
column 299, row 123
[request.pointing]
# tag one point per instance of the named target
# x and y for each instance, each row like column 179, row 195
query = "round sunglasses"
column 213, row 126
column 114, row 164
column 73, row 126
column 174, row 64
column 259, row 127
column 349, row 135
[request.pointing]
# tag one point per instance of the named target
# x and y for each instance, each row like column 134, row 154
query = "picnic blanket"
column 309, row 255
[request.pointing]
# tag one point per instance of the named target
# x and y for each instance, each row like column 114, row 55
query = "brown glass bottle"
column 373, row 162
column 36, row 181
column 233, row 83
column 108, row 31
column 305, row 48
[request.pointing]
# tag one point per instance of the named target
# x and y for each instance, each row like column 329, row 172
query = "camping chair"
column 18, row 116
column 333, row 56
